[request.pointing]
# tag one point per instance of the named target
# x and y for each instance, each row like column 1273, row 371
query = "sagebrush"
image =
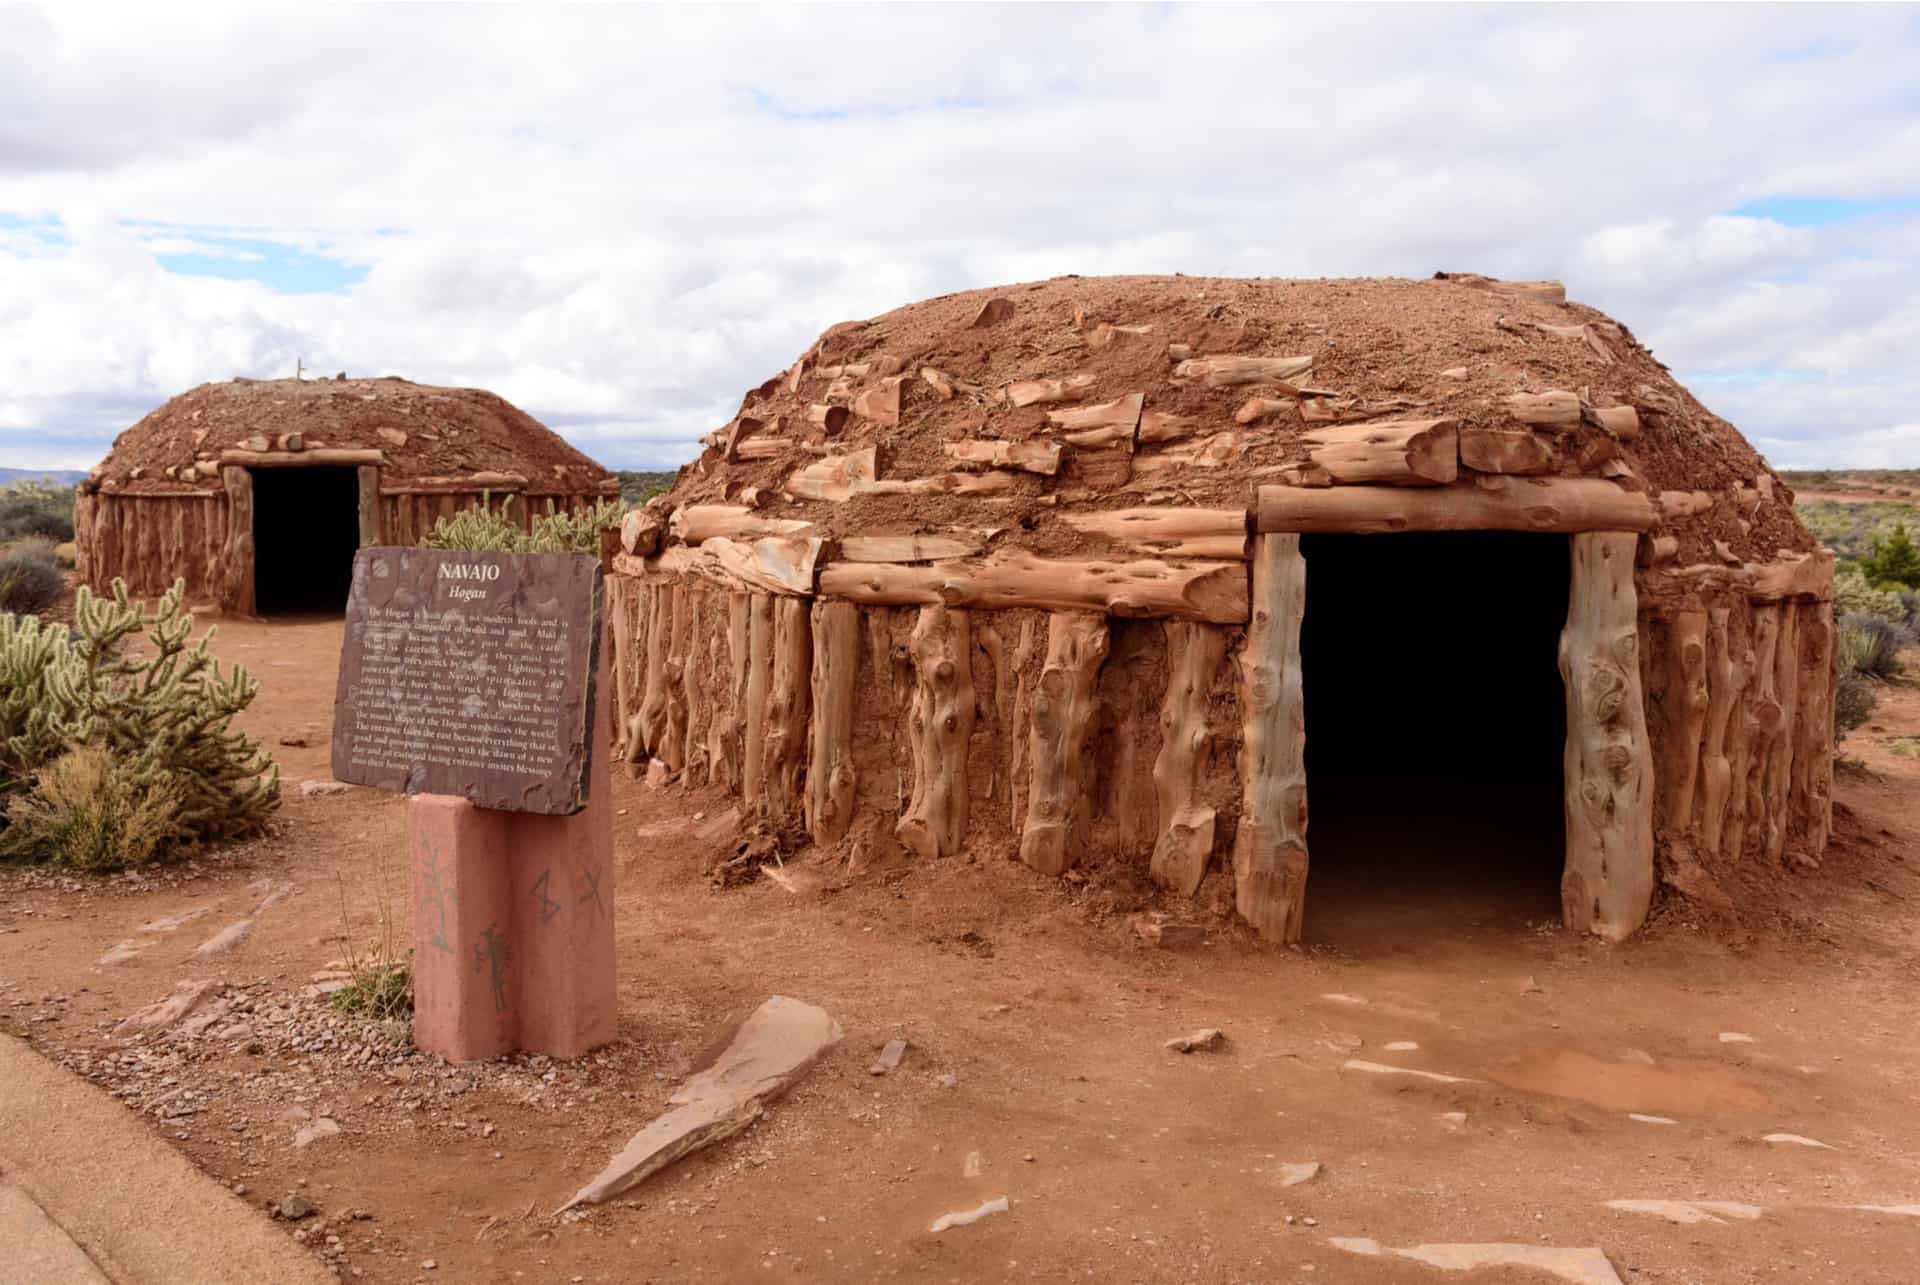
column 36, row 508
column 484, row 528
column 31, row 578
column 91, row 811
column 161, row 710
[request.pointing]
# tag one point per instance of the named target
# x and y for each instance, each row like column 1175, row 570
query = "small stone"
column 1454, row 372
column 294, row 1207
column 120, row 953
column 949, row 1081
column 970, row 1168
column 427, row 1264
column 1207, row 1037
column 314, row 789
column 966, row 1217
column 1794, row 1140
column 890, row 1055
column 1158, row 930
column 296, row 1115
column 1402, row 1046
column 321, row 1128
column 1453, row 1121
column 1735, row 1037
column 1337, row 997
column 1650, row 1119
column 1292, row 1175
column 224, row 940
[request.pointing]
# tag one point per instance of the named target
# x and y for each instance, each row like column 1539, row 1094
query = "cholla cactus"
column 479, row 527
column 164, row 710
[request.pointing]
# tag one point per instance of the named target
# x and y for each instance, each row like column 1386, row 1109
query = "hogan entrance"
column 306, row 528
column 1435, row 729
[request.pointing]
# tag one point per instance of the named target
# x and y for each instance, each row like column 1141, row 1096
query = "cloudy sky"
column 620, row 218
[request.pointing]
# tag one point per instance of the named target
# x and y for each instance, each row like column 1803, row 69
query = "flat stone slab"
column 1292, row 1175
column 1795, row 1140
column 1207, row 1037
column 162, row 1013
column 1686, row 1212
column 224, row 940
column 120, row 953
column 772, row 1049
column 967, row 1217
column 1581, row 1266
column 172, row 922
column 1381, row 1068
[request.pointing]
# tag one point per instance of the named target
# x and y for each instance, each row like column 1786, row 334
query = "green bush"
column 162, row 717
column 36, row 508
column 31, row 579
column 1894, row 562
column 1853, row 701
column 91, row 811
column 480, row 527
column 1870, row 645
column 377, row 990
column 1853, row 595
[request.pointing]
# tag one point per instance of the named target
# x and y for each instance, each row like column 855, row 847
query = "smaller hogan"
column 257, row 492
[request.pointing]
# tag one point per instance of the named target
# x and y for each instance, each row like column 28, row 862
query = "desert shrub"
column 637, row 488
column 163, row 717
column 1894, row 562
column 1910, row 611
column 480, row 527
column 36, row 508
column 89, row 810
column 378, row 990
column 1854, row 595
column 30, row 578
column 1853, row 701
column 1870, row 645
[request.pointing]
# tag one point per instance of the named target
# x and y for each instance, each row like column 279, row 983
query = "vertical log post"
column 1726, row 678
column 836, row 668
column 1813, row 754
column 785, row 740
column 368, row 476
column 672, row 749
column 1270, row 845
column 759, row 678
column 1686, row 713
column 236, row 597
column 1063, row 705
column 935, row 823
column 652, row 714
column 1194, row 654
column 723, row 740
column 693, row 677
column 1608, row 883
column 1779, row 763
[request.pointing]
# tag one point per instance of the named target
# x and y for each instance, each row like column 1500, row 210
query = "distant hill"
column 58, row 476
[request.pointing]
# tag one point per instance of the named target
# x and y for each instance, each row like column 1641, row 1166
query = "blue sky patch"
column 1815, row 211
column 282, row 267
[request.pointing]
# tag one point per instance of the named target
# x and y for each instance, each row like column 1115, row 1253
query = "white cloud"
column 622, row 218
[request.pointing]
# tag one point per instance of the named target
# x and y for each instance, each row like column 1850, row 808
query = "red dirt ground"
column 1123, row 1161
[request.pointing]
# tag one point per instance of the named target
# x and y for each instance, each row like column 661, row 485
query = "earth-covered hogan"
column 257, row 492
column 1148, row 570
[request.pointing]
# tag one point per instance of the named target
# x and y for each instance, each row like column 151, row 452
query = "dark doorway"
column 1436, row 720
column 306, row 526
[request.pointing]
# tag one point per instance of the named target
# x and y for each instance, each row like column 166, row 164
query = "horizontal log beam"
column 308, row 459
column 1492, row 504
column 772, row 564
column 917, row 547
column 1169, row 532
column 1810, row 577
column 1031, row 456
column 449, row 485
column 1210, row 591
column 696, row 523
column 1396, row 452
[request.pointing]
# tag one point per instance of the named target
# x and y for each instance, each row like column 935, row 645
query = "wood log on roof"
column 1211, row 591
column 312, row 458
column 1556, row 410
column 1397, row 452
column 1228, row 371
column 1487, row 450
column 1037, row 392
column 697, row 523
column 1034, row 456
column 1168, row 532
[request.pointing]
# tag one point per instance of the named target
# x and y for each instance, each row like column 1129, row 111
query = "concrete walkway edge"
column 136, row 1207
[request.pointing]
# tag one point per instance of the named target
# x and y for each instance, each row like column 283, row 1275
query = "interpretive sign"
column 470, row 674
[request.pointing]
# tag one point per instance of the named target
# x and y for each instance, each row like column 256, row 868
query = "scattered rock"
column 1904, row 1211
column 1453, row 1121
column 1688, row 1211
column 1637, row 1055
column 1650, row 1119
column 949, row 1080
column 659, row 775
column 294, row 1208
column 1795, row 1140
column 992, row 313
column 1402, row 1046
column 967, row 1217
column 224, row 940
column 1292, row 1175
column 162, row 1013
column 1531, row 987
column 1158, row 930
column 1454, row 372
column 321, row 1128
column 890, row 1054
column 314, row 788
column 1581, row 1266
column 1339, row 998
column 970, row 1168
column 276, row 894
column 120, row 953
column 296, row 1115
column 294, row 742
column 174, row 921
column 1207, row 1037
column 772, row 1049
column 1735, row 1037
column 1380, row 1068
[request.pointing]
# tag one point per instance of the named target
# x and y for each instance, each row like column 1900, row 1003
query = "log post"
column 1270, row 845
column 619, row 589
column 368, row 476
column 236, row 596
column 1763, row 723
column 753, row 748
column 652, row 714
column 1686, row 713
column 785, row 743
column 723, row 740
column 1779, row 764
column 1726, row 680
column 1016, row 722
column 939, row 728
column 1607, row 886
column 1194, row 653
column 836, row 669
column 672, row 749
column 693, row 689
column 1063, row 705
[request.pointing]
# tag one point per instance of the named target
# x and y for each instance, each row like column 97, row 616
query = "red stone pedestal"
column 513, row 922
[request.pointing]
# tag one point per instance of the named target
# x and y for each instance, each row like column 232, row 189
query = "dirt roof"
column 1455, row 346
column 422, row 431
